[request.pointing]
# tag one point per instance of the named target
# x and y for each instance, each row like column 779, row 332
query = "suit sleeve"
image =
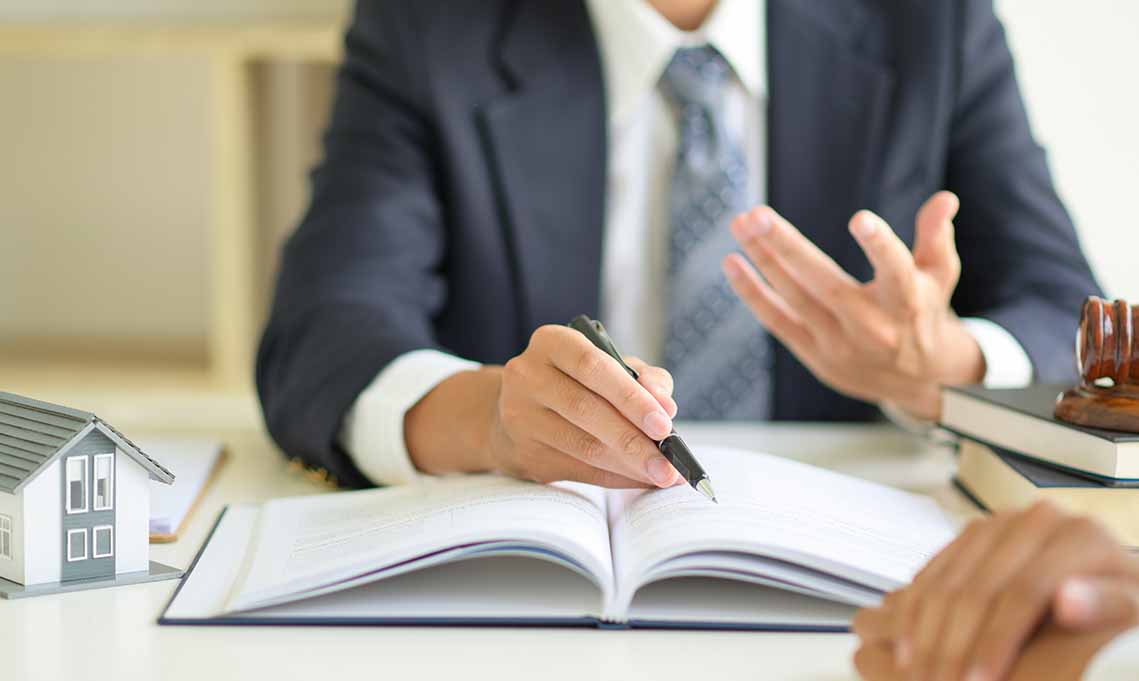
column 359, row 282
column 1022, row 267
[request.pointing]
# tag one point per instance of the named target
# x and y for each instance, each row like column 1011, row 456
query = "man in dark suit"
column 494, row 168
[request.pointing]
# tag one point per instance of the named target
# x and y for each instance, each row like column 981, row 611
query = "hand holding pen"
column 566, row 411
column 672, row 447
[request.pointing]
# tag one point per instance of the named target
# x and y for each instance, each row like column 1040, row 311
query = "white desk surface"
column 111, row 634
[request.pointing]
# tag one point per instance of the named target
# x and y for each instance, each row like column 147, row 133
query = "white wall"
column 1079, row 68
column 43, row 523
column 12, row 506
column 132, row 515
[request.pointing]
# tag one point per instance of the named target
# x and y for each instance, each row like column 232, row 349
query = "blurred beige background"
column 111, row 204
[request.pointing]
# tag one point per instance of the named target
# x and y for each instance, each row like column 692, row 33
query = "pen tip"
column 705, row 488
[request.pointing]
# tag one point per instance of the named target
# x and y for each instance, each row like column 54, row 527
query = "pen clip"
column 595, row 332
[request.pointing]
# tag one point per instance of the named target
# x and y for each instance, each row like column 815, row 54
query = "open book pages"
column 780, row 524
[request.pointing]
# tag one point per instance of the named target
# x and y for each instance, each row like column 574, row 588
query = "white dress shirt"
column 636, row 44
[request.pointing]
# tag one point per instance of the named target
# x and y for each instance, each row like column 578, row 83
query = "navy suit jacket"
column 461, row 200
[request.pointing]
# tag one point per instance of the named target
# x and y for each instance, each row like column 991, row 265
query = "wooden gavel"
column 1107, row 342
column 1107, row 347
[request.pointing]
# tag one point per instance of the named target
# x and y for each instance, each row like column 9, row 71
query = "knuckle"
column 590, row 449
column 578, row 403
column 589, row 362
column 909, row 306
column 1043, row 509
column 631, row 393
column 514, row 371
column 629, row 442
column 1083, row 526
column 540, row 336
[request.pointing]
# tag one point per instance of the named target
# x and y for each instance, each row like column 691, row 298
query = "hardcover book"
column 790, row 546
column 1021, row 420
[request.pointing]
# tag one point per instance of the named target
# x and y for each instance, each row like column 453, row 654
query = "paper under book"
column 790, row 546
column 999, row 479
column 196, row 463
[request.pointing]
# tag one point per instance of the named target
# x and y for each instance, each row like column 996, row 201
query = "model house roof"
column 34, row 433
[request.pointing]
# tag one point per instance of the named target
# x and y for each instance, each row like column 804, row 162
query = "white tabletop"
column 111, row 634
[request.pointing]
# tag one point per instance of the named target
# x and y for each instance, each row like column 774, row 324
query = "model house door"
column 88, row 531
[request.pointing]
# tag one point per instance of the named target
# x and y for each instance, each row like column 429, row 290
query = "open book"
column 788, row 546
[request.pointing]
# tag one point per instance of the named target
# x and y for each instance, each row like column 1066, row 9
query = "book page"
column 868, row 534
column 311, row 544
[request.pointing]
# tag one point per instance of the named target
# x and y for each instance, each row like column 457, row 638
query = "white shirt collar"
column 636, row 44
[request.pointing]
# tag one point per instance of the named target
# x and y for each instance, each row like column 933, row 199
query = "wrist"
column 450, row 429
column 964, row 360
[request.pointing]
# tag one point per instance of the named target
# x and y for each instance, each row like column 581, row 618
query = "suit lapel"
column 828, row 110
column 546, row 140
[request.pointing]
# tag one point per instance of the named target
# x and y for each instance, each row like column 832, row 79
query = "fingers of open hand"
column 787, row 259
column 769, row 308
column 895, row 274
column 658, row 381
column 572, row 354
column 935, row 249
column 1076, row 546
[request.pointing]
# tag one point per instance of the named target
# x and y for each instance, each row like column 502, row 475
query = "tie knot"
column 695, row 76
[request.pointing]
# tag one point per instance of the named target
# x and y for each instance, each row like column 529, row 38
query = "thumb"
column 1087, row 603
column 935, row 250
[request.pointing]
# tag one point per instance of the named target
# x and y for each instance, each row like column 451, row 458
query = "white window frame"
column 71, row 533
column 6, row 532
column 86, row 479
column 95, row 541
column 110, row 482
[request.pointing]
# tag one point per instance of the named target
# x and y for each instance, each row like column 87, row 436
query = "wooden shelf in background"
column 230, row 51
column 315, row 40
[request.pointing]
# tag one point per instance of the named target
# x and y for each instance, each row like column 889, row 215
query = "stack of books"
column 1014, row 451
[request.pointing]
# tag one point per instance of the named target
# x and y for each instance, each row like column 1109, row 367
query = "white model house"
column 74, row 496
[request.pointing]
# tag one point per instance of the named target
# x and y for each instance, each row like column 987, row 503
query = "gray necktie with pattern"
column 717, row 352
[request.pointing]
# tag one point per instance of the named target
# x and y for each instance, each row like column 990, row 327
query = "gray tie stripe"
column 716, row 351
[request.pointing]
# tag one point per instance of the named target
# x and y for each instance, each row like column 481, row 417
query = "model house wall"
column 43, row 521
column 132, row 527
column 12, row 508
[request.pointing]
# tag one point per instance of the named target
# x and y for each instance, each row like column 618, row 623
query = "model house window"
column 76, row 545
column 77, row 484
column 104, row 541
column 104, row 483
column 6, row 536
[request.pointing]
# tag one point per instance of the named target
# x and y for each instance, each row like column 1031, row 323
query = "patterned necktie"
column 717, row 352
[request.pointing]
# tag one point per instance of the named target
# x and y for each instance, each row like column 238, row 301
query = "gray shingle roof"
column 34, row 433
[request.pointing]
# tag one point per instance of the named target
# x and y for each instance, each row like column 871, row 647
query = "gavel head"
column 1106, row 344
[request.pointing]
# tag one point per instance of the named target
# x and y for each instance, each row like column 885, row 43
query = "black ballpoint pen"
column 672, row 447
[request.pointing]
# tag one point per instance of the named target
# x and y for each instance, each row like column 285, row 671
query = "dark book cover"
column 1045, row 476
column 1039, row 400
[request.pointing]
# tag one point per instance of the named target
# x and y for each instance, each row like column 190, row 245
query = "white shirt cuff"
column 1117, row 661
column 1006, row 366
column 1006, row 363
column 372, row 431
